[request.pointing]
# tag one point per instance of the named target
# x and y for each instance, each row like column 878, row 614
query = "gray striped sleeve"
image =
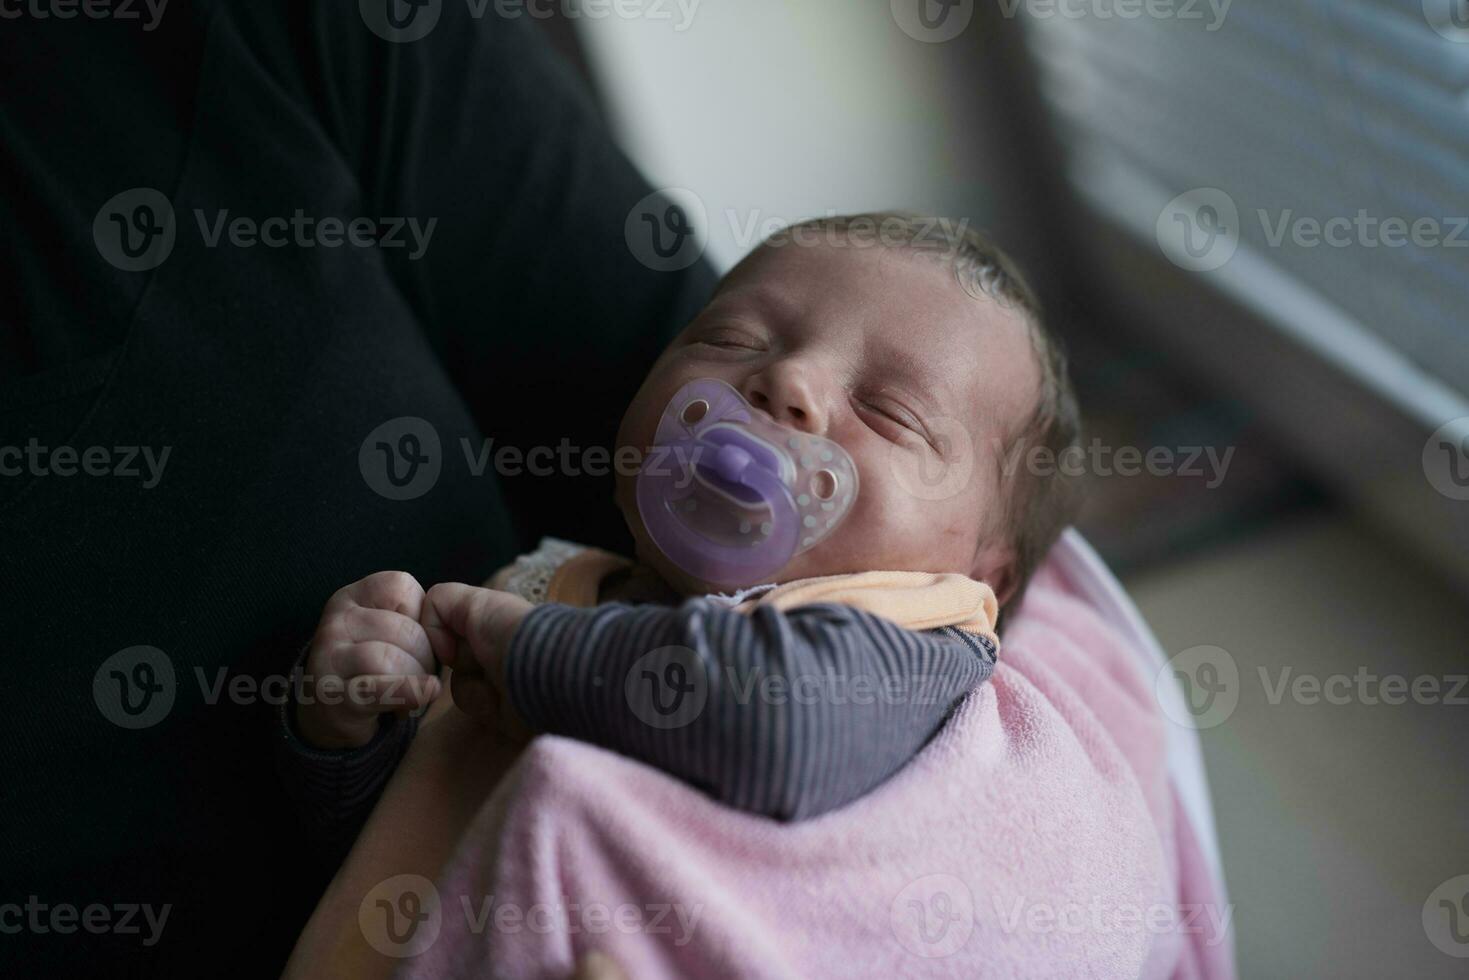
column 787, row 714
column 335, row 789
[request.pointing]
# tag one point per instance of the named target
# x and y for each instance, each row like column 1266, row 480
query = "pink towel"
column 1038, row 835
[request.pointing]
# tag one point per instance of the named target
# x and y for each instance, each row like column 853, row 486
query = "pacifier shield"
column 730, row 495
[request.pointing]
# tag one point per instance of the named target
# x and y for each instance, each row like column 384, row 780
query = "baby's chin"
column 807, row 565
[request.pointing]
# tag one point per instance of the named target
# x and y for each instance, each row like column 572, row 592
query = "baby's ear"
column 994, row 565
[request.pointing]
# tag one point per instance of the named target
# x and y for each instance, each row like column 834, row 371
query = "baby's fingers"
column 372, row 657
column 452, row 612
column 396, row 591
column 485, row 618
column 394, row 629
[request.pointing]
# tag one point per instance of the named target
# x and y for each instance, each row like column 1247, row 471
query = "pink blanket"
column 1038, row 835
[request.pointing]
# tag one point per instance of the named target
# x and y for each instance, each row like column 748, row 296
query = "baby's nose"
column 790, row 396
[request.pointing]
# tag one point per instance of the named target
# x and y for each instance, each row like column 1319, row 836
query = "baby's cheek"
column 889, row 523
column 932, row 532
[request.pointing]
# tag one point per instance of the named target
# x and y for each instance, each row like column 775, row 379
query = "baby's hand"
column 470, row 630
column 369, row 656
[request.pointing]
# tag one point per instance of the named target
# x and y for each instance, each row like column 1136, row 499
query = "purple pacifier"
column 730, row 495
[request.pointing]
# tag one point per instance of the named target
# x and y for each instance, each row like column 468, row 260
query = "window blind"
column 1304, row 113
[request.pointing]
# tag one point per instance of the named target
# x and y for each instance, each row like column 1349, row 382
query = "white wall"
column 773, row 110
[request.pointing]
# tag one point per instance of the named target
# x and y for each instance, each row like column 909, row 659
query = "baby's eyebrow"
column 911, row 370
column 768, row 304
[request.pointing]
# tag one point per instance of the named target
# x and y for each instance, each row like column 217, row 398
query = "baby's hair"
column 1037, row 508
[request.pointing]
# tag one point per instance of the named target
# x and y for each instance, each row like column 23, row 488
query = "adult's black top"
column 261, row 370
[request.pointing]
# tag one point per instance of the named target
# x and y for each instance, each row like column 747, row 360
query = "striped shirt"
column 786, row 714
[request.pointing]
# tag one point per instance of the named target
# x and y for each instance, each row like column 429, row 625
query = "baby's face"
column 882, row 351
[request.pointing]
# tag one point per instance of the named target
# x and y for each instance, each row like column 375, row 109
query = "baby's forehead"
column 882, row 288
column 907, row 307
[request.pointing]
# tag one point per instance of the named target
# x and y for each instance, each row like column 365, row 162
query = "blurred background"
column 1247, row 219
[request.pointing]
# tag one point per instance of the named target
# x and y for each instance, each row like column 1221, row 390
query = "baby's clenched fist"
column 369, row 656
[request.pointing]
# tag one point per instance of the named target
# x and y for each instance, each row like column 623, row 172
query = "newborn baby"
column 825, row 534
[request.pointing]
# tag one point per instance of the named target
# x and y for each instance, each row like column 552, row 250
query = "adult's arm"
column 479, row 137
column 544, row 318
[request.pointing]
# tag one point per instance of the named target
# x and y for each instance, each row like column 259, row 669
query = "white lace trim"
column 530, row 575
